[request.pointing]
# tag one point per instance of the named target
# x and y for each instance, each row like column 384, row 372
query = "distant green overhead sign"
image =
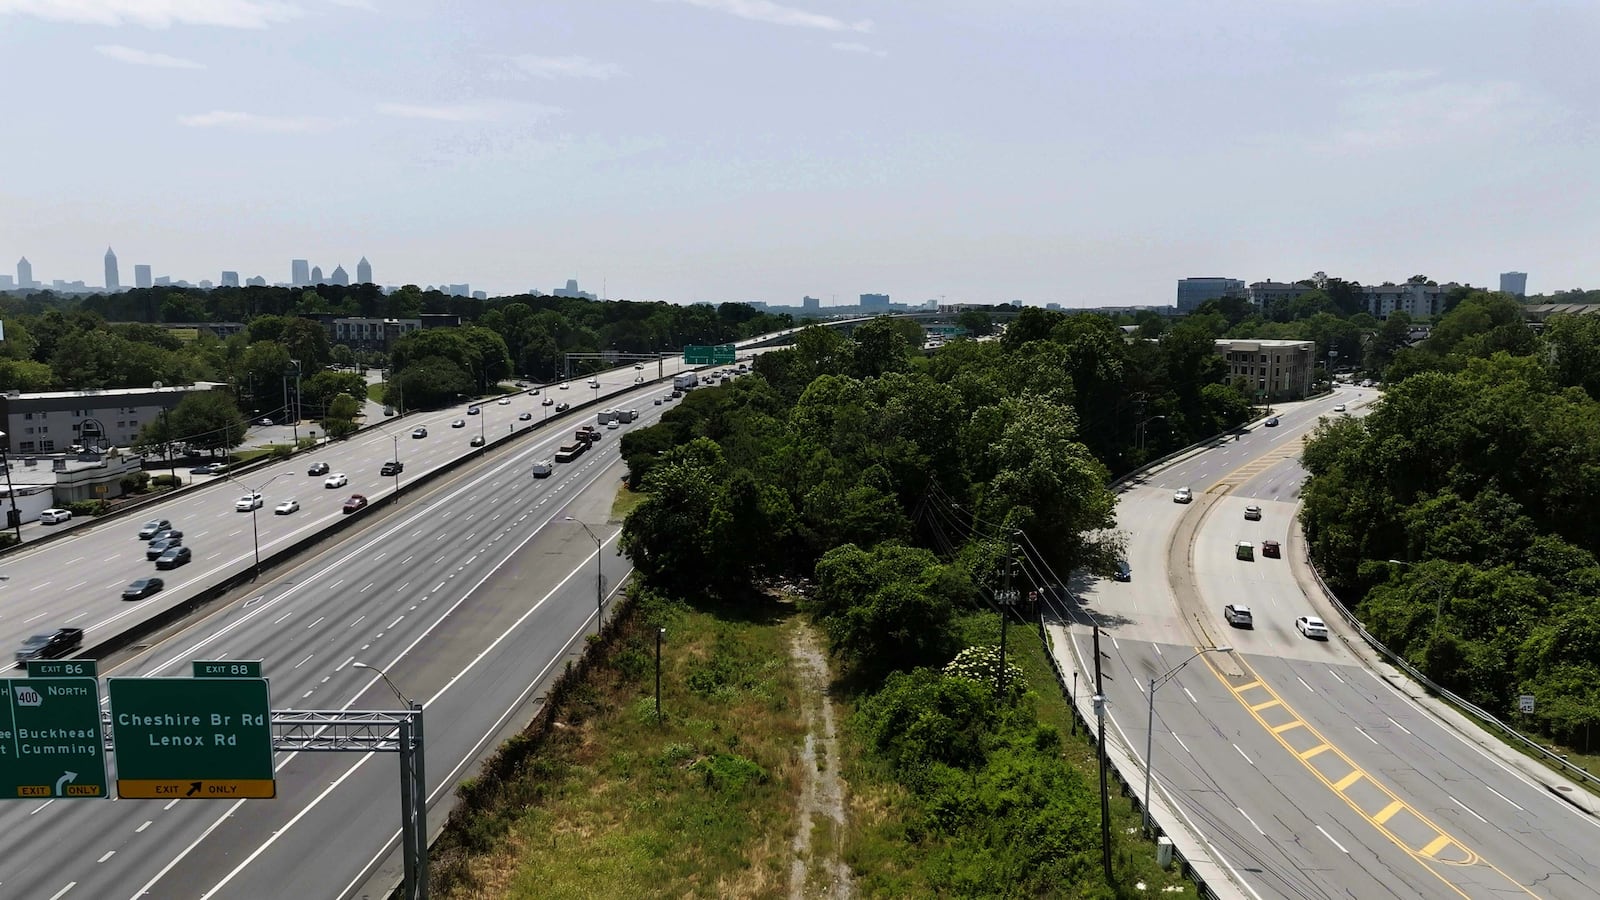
column 698, row 355
column 50, row 739
column 192, row 738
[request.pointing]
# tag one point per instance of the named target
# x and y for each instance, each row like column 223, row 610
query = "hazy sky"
column 1080, row 151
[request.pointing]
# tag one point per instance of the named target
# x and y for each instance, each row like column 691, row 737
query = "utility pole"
column 660, row 633
column 1008, row 596
column 1100, row 723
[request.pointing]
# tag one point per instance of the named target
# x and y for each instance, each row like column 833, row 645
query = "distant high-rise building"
column 1194, row 291
column 141, row 276
column 480, row 295
column 810, row 304
column 256, row 281
column 7, row 283
column 459, row 290
column 25, row 274
column 163, row 280
column 316, row 275
column 339, row 276
column 1514, row 283
column 876, row 302
column 206, row 285
column 299, row 273
column 571, row 290
column 363, row 271
column 113, row 277
column 230, row 279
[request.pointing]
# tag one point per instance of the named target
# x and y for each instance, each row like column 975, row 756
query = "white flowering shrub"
column 983, row 664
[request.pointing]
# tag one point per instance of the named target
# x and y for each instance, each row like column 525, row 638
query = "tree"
column 340, row 420
column 208, row 420
column 881, row 346
column 428, row 383
column 976, row 322
column 889, row 608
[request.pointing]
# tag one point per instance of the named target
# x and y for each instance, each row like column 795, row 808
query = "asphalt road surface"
column 1307, row 774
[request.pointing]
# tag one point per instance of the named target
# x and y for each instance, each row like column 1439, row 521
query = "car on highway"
column 166, row 533
column 1252, row 513
column 419, row 432
column 1272, row 422
column 286, row 507
column 248, row 503
column 675, row 395
column 388, row 410
column 1272, row 549
column 459, row 423
column 265, row 421
column 320, row 468
column 1238, row 616
column 613, row 425
column 658, row 401
column 472, row 410
column 1122, row 572
column 563, row 407
column 1339, row 408
column 148, row 530
column 1245, row 550
column 141, row 588
column 55, row 516
column 534, row 392
column 392, row 467
column 547, row 402
column 563, row 385
column 543, row 468
column 638, row 367
column 594, row 382
column 1183, row 495
column 355, row 502
column 173, row 558
column 477, row 441
column 503, row 401
column 154, row 549
column 203, row 469
column 1312, row 627
column 525, row 417
column 50, row 646
column 336, row 480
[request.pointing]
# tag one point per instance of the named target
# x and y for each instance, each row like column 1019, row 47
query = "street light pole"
column 600, row 576
column 1150, row 721
column 13, row 515
column 255, row 533
column 413, row 793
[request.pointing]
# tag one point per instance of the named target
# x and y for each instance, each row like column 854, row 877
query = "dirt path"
column 817, row 869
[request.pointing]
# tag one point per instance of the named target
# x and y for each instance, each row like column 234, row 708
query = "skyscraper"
column 1514, row 283
column 230, row 279
column 363, row 271
column 316, row 275
column 113, row 277
column 299, row 272
column 25, row 273
column 339, row 276
column 811, row 304
column 141, row 276
column 875, row 302
column 1194, row 291
column 256, row 281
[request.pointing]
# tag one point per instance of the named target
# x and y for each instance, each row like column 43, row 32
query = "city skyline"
column 1009, row 149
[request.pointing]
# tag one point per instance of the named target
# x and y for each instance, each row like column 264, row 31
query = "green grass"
column 627, row 499
column 616, row 805
column 375, row 391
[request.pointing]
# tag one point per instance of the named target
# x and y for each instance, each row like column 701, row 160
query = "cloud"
column 1423, row 110
column 243, row 121
column 145, row 58
column 156, row 13
column 565, row 67
column 853, row 47
column 777, row 14
column 467, row 112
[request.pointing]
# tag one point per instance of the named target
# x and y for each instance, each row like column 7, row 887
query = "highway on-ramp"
column 1307, row 773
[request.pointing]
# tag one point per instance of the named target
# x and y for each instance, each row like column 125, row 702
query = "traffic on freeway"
column 1303, row 771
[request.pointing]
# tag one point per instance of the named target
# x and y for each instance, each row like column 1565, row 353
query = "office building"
column 163, row 281
column 1275, row 370
column 1265, row 293
column 141, row 276
column 1192, row 292
column 1514, row 283
column 230, row 279
column 363, row 271
column 299, row 273
column 874, row 302
column 458, row 290
column 25, row 274
column 1419, row 301
column 113, row 276
column 53, row 421
column 7, row 283
column 316, row 275
column 377, row 334
column 571, row 290
column 256, row 281
column 480, row 295
column 810, row 304
column 339, row 276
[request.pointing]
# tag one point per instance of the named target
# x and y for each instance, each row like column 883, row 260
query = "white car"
column 419, row 432
column 594, row 382
column 612, row 425
column 1339, row 408
column 248, row 502
column 1312, row 627
column 54, row 516
column 336, row 480
column 1182, row 495
column 286, row 507
column 503, row 401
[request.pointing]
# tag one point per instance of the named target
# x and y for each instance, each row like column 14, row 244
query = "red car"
column 1270, row 548
column 355, row 502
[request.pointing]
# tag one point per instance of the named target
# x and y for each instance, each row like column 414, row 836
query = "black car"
column 320, row 468
column 392, row 468
column 142, row 588
column 525, row 417
column 1122, row 571
column 563, row 407
column 166, row 533
column 50, row 646
column 173, row 558
column 472, row 410
column 149, row 529
column 477, row 440
column 1272, row 422
column 157, row 548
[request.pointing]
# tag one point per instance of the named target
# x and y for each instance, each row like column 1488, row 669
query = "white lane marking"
column 279, row 620
column 1182, row 744
column 1303, row 681
column 391, row 625
column 1504, row 797
column 235, row 533
column 1331, row 840
column 1251, row 821
column 1114, row 641
column 44, row 584
column 336, row 584
column 402, row 587
column 1365, row 735
column 364, row 590
column 147, row 824
column 1336, row 676
column 357, row 621
column 78, row 585
column 1191, row 696
column 317, row 622
column 469, row 561
column 76, row 618
column 35, row 618
column 345, row 663
column 169, row 806
column 308, row 693
column 406, row 560
column 109, row 854
column 42, row 806
column 111, row 559
column 437, row 586
column 303, row 661
column 1158, row 649
column 1468, row 809
column 1398, row 725
column 1137, row 684
column 75, row 559
column 380, row 556
column 61, row 893
column 1246, row 759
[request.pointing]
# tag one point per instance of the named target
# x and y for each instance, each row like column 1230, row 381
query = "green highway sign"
column 192, row 738
column 50, row 739
column 229, row 668
column 701, row 355
column 62, row 668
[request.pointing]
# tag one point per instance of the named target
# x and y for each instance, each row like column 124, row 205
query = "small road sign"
column 230, row 668
column 1525, row 704
column 50, row 738
column 62, row 668
column 192, row 738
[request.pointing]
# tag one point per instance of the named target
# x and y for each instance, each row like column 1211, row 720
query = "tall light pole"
column 1150, row 720
column 255, row 533
column 1138, row 443
column 599, row 573
column 1438, row 605
column 12, row 514
column 396, row 439
column 413, row 793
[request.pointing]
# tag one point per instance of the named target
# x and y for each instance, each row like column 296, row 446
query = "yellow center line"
column 1426, row 854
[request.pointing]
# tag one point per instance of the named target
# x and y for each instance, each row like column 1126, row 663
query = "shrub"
column 166, row 481
column 86, row 507
column 136, row 483
column 728, row 773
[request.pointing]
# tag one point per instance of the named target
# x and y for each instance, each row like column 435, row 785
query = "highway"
column 78, row 580
column 466, row 593
column 1306, row 772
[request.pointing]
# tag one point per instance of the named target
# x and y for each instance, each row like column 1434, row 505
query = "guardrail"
column 1478, row 712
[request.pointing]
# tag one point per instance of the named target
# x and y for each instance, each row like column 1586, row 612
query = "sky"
column 1084, row 152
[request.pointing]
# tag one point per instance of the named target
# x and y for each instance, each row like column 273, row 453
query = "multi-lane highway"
column 1307, row 773
column 467, row 593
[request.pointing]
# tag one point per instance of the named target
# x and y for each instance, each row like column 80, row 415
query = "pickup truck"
column 50, row 646
column 588, row 434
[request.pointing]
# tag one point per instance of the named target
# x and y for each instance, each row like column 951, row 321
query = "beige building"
column 1280, row 369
